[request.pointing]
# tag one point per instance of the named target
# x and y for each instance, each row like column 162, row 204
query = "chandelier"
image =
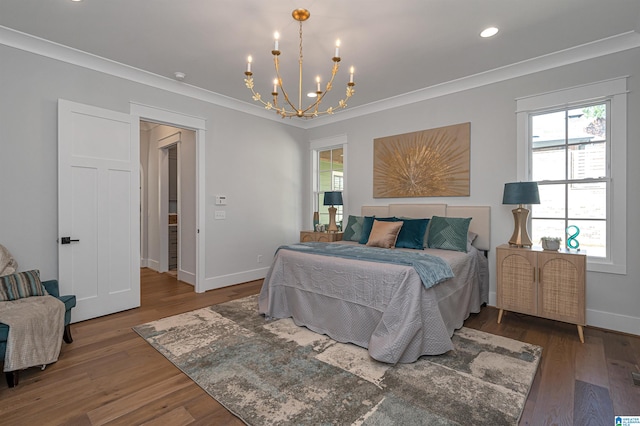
column 289, row 109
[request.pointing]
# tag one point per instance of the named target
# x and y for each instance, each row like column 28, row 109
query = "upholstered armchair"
column 69, row 302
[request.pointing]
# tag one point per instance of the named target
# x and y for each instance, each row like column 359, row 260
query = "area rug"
column 272, row 372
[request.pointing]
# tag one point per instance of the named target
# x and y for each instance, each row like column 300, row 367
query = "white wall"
column 612, row 300
column 255, row 162
column 247, row 155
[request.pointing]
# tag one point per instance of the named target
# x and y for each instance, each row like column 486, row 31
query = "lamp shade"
column 521, row 193
column 333, row 198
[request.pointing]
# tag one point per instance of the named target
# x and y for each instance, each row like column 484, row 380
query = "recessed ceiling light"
column 312, row 95
column 76, row 0
column 179, row 75
column 489, row 32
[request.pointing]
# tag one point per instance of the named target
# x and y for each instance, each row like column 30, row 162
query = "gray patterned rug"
column 276, row 373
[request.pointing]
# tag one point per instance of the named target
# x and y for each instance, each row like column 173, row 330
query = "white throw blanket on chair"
column 8, row 264
column 36, row 325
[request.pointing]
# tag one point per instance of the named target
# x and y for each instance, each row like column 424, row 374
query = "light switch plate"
column 220, row 214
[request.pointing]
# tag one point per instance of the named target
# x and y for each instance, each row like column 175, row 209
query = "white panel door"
column 98, row 209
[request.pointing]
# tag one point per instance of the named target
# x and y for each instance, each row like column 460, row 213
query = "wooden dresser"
column 547, row 284
column 324, row 237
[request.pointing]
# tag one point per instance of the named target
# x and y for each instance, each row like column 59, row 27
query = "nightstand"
column 547, row 284
column 323, row 237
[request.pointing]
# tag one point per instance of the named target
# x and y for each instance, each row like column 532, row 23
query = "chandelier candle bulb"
column 318, row 84
column 275, row 86
column 337, row 55
column 249, row 60
column 276, row 36
column 351, row 75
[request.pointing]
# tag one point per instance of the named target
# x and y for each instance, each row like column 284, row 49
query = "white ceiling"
column 396, row 46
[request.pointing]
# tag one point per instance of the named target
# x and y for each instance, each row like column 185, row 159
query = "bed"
column 384, row 307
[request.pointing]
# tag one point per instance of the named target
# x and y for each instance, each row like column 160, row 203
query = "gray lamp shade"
column 333, row 198
column 521, row 193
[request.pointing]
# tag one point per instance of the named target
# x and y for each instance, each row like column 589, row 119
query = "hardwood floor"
column 576, row 383
column 109, row 375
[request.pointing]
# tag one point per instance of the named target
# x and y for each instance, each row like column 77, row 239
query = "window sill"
column 606, row 267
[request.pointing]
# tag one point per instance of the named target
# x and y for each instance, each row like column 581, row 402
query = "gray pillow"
column 21, row 284
column 449, row 233
column 353, row 230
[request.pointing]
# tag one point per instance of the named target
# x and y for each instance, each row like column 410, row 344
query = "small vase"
column 550, row 245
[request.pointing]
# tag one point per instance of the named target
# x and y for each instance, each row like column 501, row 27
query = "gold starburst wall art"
column 428, row 163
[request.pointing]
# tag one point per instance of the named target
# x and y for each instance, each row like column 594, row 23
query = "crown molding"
column 49, row 49
column 606, row 46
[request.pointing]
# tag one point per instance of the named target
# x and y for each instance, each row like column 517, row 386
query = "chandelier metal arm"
column 320, row 95
column 256, row 96
column 284, row 92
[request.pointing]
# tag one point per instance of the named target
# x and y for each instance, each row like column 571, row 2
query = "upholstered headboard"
column 480, row 222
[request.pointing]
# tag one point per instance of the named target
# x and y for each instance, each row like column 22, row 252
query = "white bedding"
column 380, row 306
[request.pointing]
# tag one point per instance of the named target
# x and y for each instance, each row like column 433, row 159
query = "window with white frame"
column 575, row 148
column 328, row 175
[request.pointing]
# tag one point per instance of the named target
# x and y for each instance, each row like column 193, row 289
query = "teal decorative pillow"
column 448, row 233
column 367, row 224
column 21, row 284
column 353, row 230
column 412, row 233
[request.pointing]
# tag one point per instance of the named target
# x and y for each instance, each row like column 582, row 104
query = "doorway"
column 168, row 228
column 142, row 112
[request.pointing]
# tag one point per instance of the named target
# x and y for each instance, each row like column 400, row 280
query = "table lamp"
column 520, row 193
column 332, row 198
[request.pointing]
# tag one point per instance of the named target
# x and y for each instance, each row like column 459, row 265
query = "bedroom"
column 251, row 145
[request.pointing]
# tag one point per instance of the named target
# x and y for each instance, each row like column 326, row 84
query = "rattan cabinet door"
column 516, row 283
column 561, row 287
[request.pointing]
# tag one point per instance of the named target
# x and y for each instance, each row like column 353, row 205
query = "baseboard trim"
column 600, row 319
column 187, row 277
column 233, row 279
column 153, row 264
column 613, row 321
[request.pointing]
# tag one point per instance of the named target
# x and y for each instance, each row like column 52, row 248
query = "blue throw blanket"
column 431, row 269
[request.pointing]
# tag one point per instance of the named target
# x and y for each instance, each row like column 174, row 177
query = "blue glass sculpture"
column 572, row 232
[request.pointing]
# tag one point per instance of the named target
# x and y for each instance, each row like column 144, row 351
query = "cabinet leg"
column 500, row 315
column 581, row 334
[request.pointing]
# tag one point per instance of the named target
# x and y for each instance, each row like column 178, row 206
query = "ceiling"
column 396, row 47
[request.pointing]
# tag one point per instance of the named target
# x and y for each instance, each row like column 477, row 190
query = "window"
column 328, row 174
column 569, row 162
column 330, row 178
column 575, row 148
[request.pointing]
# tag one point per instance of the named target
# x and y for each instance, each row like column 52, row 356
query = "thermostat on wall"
column 221, row 200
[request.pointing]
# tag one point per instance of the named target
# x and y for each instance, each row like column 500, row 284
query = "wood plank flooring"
column 576, row 384
column 110, row 376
